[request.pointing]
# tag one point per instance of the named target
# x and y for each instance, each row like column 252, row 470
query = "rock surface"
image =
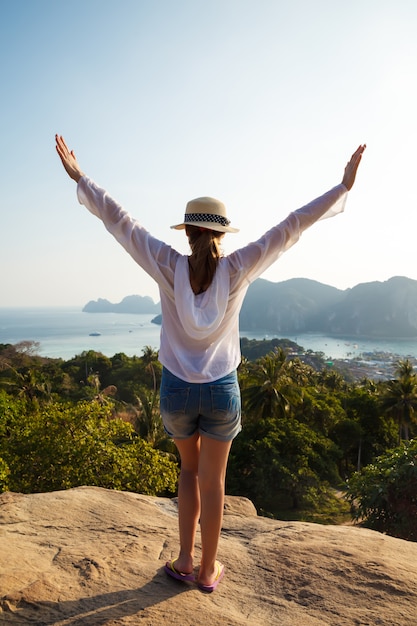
column 90, row 556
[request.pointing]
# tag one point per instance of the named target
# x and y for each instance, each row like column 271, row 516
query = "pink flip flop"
column 171, row 571
column 213, row 586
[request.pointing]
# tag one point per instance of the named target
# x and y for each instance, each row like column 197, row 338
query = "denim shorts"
column 212, row 409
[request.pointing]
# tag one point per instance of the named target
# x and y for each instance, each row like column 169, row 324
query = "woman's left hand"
column 68, row 159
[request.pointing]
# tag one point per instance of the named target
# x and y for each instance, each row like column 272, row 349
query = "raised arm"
column 68, row 159
column 352, row 167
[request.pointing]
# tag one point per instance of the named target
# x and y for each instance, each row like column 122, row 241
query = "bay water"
column 64, row 332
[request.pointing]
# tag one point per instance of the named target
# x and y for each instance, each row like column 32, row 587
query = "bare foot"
column 181, row 565
column 208, row 580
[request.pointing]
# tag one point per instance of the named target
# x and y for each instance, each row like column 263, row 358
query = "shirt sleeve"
column 249, row 262
column 154, row 256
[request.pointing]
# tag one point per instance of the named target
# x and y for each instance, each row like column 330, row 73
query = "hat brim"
column 209, row 225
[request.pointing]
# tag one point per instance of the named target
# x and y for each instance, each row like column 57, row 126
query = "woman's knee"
column 211, row 484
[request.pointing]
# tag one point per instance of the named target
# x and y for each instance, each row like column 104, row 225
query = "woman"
column 201, row 296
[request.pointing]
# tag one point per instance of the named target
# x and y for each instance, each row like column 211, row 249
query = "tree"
column 129, row 376
column 11, row 410
column 89, row 371
column 399, row 398
column 4, row 476
column 281, row 464
column 150, row 358
column 19, row 354
column 269, row 390
column 383, row 495
column 149, row 422
column 365, row 432
column 64, row 445
column 332, row 380
column 28, row 382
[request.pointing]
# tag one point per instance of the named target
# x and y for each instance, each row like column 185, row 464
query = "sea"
column 65, row 332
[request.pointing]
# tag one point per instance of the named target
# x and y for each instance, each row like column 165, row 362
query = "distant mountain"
column 300, row 305
column 130, row 304
column 292, row 306
column 376, row 309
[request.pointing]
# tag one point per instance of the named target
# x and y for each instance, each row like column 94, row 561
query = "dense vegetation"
column 308, row 434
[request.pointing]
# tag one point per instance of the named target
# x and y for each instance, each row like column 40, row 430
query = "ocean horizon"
column 65, row 332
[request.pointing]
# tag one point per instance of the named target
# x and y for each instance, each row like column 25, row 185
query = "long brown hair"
column 205, row 255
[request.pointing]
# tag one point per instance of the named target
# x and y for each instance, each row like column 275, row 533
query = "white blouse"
column 200, row 333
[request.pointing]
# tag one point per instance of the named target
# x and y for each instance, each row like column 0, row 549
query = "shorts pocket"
column 175, row 401
column 225, row 399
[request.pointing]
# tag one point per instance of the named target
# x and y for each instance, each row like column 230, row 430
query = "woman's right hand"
column 352, row 167
column 68, row 159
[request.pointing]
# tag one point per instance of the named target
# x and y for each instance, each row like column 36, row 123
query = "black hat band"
column 206, row 217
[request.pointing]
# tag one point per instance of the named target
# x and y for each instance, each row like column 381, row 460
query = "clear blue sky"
column 257, row 102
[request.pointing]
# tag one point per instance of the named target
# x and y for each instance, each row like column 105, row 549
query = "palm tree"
column 332, row 380
column 149, row 357
column 99, row 394
column 28, row 383
column 148, row 417
column 400, row 397
column 149, row 421
column 269, row 389
column 404, row 368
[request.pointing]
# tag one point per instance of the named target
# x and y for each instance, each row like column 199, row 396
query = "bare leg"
column 188, row 501
column 211, row 478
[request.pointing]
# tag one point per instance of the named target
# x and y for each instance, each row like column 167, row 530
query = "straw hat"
column 206, row 213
